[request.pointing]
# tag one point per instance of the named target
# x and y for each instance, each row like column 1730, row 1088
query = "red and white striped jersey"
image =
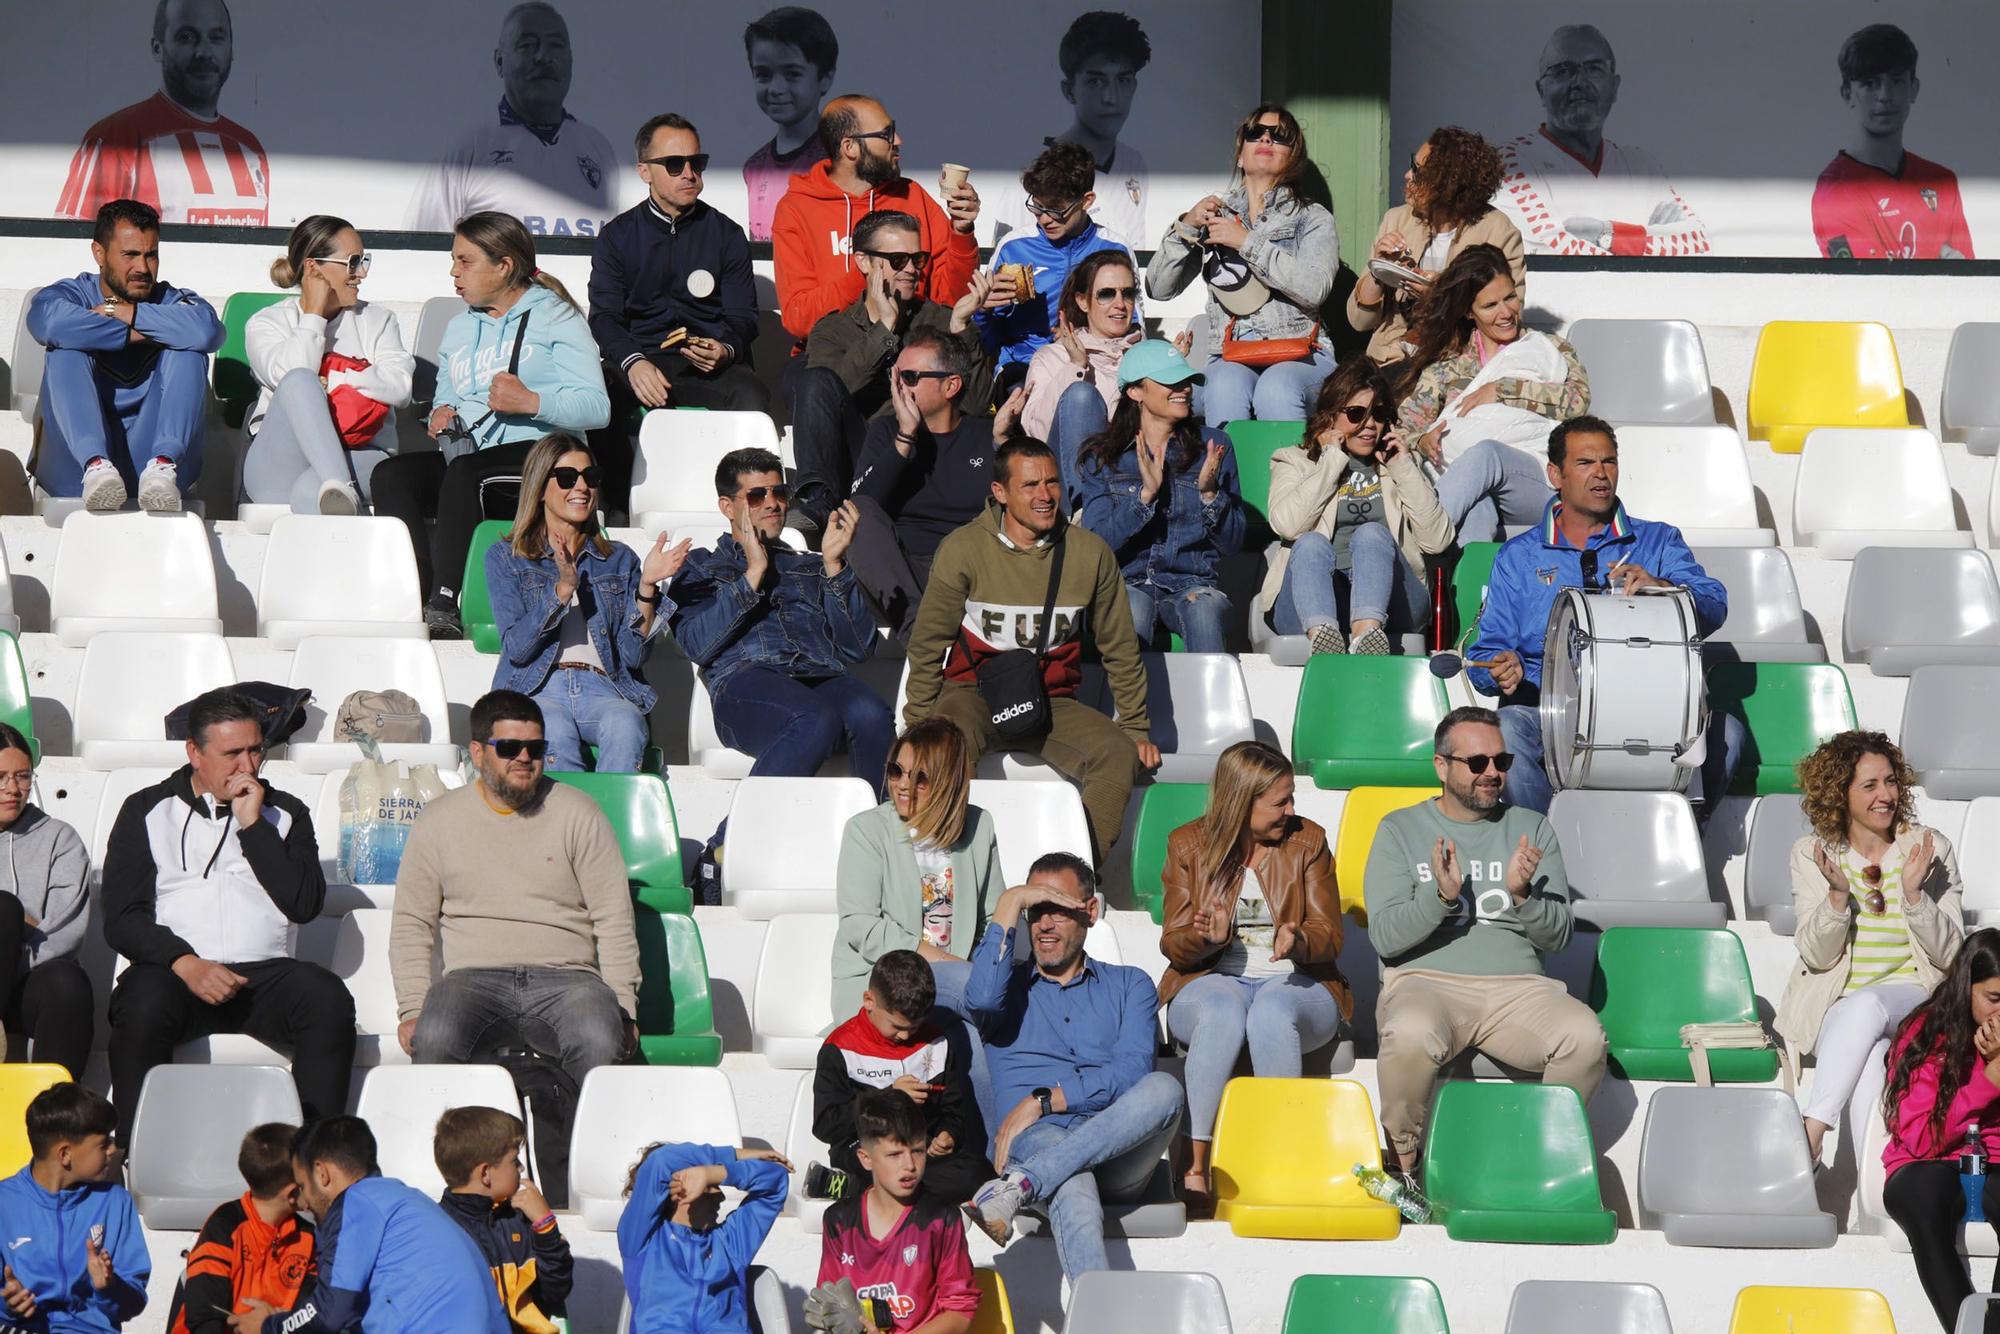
column 159, row 153
column 1545, row 186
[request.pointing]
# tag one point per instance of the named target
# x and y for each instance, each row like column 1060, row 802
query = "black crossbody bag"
column 1011, row 683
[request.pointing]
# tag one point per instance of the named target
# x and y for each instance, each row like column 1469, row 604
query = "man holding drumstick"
column 1585, row 540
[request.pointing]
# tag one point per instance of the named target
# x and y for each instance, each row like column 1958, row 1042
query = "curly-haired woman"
column 1447, row 194
column 1877, row 896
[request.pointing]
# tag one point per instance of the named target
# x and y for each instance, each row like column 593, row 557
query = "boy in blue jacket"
column 685, row 1265
column 77, row 1259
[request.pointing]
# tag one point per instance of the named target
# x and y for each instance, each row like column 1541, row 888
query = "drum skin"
column 1622, row 691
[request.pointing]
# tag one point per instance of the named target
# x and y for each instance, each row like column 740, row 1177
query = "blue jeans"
column 1114, row 1152
column 1199, row 615
column 1282, row 1017
column 1080, row 414
column 568, row 1013
column 1379, row 585
column 1528, row 783
column 1283, row 392
column 1491, row 485
column 581, row 709
column 85, row 416
column 297, row 450
column 791, row 726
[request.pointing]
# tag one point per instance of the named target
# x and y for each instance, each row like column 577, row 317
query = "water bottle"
column 1972, row 1174
column 1408, row 1200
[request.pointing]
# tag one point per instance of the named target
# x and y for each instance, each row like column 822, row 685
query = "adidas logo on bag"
column 1013, row 711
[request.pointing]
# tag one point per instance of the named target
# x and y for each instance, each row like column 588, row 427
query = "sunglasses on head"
column 911, row 379
column 1476, row 764
column 1057, row 212
column 1356, row 415
column 917, row 777
column 1277, row 134
column 1116, row 293
column 897, row 260
column 512, row 747
column 566, row 477
column 755, row 495
column 675, row 163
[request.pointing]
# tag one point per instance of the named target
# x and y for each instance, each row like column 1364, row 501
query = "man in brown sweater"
column 521, row 882
column 985, row 597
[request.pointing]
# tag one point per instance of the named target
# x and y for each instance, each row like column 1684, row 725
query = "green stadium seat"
column 17, row 709
column 235, row 385
column 1649, row 981
column 1163, row 808
column 1468, row 585
column 676, row 1016
column 1374, row 1302
column 1515, row 1162
column 1788, row 709
column 475, row 600
column 1255, row 442
column 641, row 810
column 1365, row 721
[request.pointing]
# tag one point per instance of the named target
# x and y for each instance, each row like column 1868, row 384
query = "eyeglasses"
column 887, row 134
column 566, row 478
column 917, row 777
column 675, row 163
column 1416, row 168
column 1476, row 764
column 1117, row 293
column 23, row 780
column 897, row 260
column 1277, row 134
column 512, row 747
column 911, row 379
column 755, row 495
column 1356, row 415
column 354, row 264
column 1054, row 212
column 1568, row 71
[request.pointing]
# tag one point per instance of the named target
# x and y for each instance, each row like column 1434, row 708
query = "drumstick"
column 1446, row 665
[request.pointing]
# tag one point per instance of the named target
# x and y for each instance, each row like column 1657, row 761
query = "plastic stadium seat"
column 673, row 477
column 1972, row 1313
column 768, row 1312
column 1761, row 1310
column 1787, row 709
column 1645, row 371
column 1778, row 822
column 1634, row 859
column 792, row 1006
column 10, row 620
column 1468, row 585
column 641, row 810
column 1950, row 731
column 1649, row 981
column 783, row 834
column 1030, row 819
column 235, row 383
column 718, row 759
column 19, row 1083
column 130, row 682
column 1971, row 406
column 1807, row 374
column 1360, row 817
column 401, row 1104
column 1697, row 475
column 436, row 315
column 1157, row 1301
column 1873, row 488
column 801, row 1147
column 324, row 575
column 475, row 600
column 1285, row 1151
column 132, row 572
column 1766, row 620
column 354, row 946
column 996, row 1313
column 1549, row 1306
column 17, row 707
column 1728, row 1167
column 1374, row 1302
column 1163, row 808
column 623, row 1108
column 187, row 1131
column 335, row 667
column 26, row 364
column 1978, row 851
column 1199, row 706
column 1515, row 1162
column 676, row 1015
column 1255, row 442
column 1920, row 608
column 1343, row 742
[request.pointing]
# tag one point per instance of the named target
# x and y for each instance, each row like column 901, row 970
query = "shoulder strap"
column 1049, row 602
column 520, row 335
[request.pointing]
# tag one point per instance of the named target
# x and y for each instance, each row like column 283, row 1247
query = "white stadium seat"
column 26, row 365
column 1978, row 851
column 132, row 572
column 354, row 946
column 1199, row 706
column 784, row 842
column 188, row 1130
column 803, row 1148
column 128, row 685
column 1882, row 487
column 402, row 1103
column 333, row 668
column 119, row 785
column 1697, row 477
column 673, row 477
column 327, row 575
column 1030, row 819
column 793, row 1003
column 623, row 1108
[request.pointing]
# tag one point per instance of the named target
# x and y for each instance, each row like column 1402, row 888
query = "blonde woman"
column 919, row 872
column 1877, row 897
column 1252, row 925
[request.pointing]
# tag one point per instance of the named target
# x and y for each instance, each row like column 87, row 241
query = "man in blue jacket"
column 1585, row 540
column 125, row 383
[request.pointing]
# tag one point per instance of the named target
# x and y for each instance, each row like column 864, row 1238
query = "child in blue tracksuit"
column 76, row 1258
column 685, row 1271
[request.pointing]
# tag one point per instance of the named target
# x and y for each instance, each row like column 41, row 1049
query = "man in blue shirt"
column 1069, row 1048
column 1585, row 540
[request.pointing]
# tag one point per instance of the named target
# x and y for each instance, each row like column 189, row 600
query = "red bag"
column 356, row 417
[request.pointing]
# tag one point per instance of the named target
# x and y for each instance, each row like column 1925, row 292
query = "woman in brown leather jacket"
column 1252, row 927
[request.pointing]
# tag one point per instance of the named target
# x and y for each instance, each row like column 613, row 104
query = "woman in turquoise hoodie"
column 686, row 1267
column 519, row 364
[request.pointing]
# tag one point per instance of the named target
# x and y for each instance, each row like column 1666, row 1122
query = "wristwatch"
column 1044, row 1097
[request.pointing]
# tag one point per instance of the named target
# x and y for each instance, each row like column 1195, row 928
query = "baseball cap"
column 1156, row 359
column 1235, row 288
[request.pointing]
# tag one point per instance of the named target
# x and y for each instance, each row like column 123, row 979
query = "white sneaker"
column 160, row 487
column 103, row 489
column 337, row 497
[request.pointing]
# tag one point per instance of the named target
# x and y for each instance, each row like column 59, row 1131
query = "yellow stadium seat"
column 18, row 1086
column 1285, row 1151
column 995, row 1315
column 1358, row 820
column 1809, row 373
column 1820, row 1310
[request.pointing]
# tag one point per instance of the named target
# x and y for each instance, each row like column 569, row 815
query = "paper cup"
column 954, row 176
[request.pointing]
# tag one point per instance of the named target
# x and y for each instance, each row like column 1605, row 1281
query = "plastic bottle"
column 1972, row 1174
column 1408, row 1200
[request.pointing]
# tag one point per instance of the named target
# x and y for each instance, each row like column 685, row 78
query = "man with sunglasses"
column 672, row 304
column 1466, row 894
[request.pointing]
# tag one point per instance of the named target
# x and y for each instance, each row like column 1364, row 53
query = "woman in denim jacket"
column 577, row 611
column 1161, row 489
column 1261, row 240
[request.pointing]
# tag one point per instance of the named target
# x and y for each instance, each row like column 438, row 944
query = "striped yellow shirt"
column 1881, row 949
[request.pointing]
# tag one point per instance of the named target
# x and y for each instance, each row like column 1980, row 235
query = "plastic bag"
column 379, row 802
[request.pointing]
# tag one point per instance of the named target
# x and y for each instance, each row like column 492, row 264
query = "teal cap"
column 1159, row 361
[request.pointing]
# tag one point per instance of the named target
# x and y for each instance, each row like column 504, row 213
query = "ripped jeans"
column 1199, row 615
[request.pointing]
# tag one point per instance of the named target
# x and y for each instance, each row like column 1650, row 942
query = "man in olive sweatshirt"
column 1465, row 895
column 987, row 589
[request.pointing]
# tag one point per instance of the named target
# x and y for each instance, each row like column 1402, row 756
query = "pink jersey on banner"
column 1863, row 212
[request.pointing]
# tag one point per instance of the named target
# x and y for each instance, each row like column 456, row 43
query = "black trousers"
column 50, row 1002
column 890, row 573
column 414, row 487
column 286, row 1003
column 827, row 429
column 1928, row 1203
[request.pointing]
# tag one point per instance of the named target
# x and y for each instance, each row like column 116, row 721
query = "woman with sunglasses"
column 1250, row 927
column 1357, row 517
column 918, row 872
column 577, row 611
column 331, row 371
column 1876, row 896
column 1269, row 257
column 1073, row 378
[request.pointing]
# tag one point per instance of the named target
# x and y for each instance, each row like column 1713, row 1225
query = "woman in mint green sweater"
column 919, row 872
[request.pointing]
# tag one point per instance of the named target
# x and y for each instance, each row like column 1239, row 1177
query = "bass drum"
column 1623, row 702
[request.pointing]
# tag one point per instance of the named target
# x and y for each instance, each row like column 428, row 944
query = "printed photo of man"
column 792, row 53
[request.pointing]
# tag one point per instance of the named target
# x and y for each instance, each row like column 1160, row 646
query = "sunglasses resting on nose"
column 566, row 477
column 1277, row 134
column 1355, row 416
column 511, row 747
column 755, row 495
column 897, row 260
column 675, row 163
column 1476, row 764
column 911, row 379
column 1117, row 293
column 897, row 772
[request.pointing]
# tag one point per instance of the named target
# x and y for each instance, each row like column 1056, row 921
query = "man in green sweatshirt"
column 1465, row 895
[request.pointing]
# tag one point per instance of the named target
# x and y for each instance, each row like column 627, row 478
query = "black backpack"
column 548, row 1100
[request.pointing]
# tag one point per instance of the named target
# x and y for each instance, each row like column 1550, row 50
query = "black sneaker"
column 826, row 1183
column 441, row 618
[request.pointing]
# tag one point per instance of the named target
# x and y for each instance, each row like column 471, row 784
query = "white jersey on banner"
column 1120, row 210
column 1546, row 187
column 189, row 168
column 556, row 187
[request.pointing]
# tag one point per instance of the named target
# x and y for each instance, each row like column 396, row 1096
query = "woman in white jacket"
column 331, row 372
column 1073, row 378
